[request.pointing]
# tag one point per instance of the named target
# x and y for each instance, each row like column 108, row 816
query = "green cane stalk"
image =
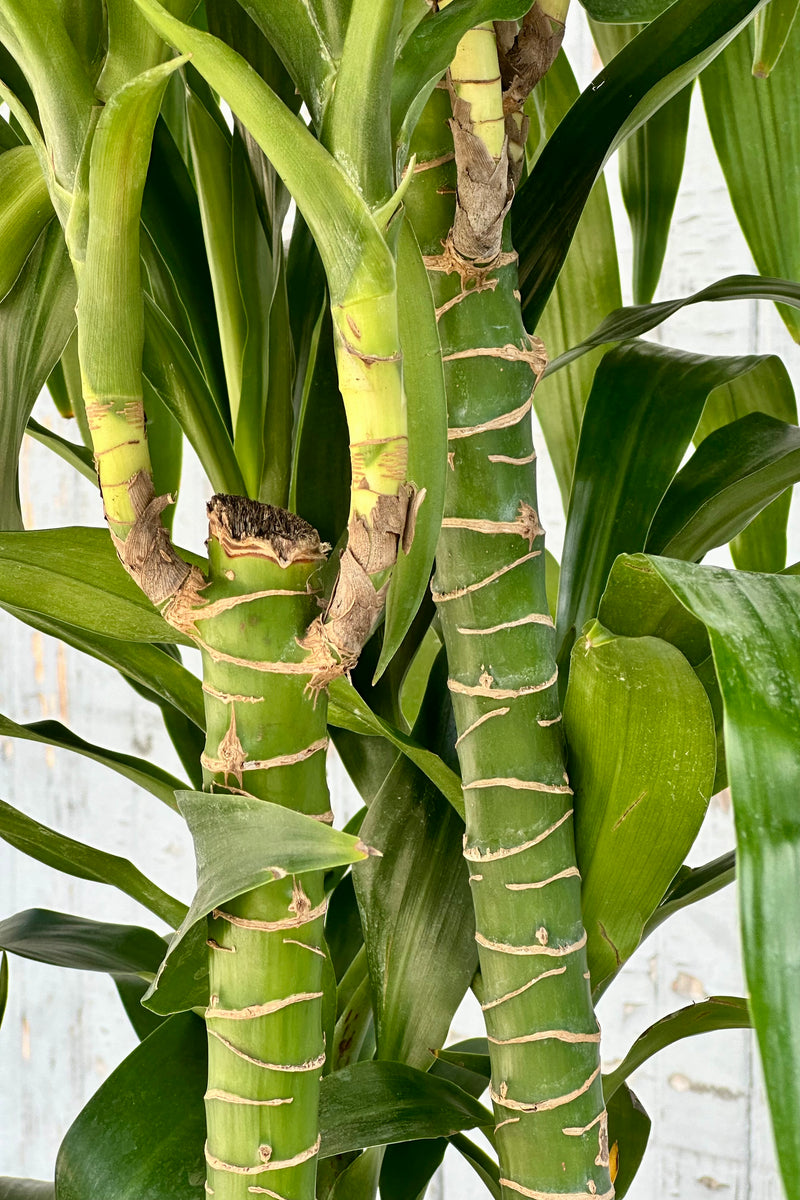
column 266, row 738
column 490, row 592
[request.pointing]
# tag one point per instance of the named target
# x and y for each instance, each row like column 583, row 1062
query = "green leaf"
column 131, row 989
column 620, row 11
column 650, row 169
column 142, row 1132
column 753, row 622
column 587, row 287
column 423, row 381
column 408, row 1168
column 642, row 753
column 643, row 409
column 731, row 477
column 632, row 322
column 3, row 985
column 718, row 1012
column 761, row 546
column 177, row 272
column 74, row 576
column 755, row 127
column 150, row 666
column 36, row 320
column 359, row 1179
column 348, row 710
column 294, row 28
column 66, row 941
column 416, row 910
column 51, row 733
column 146, row 1123
column 483, row 1166
column 649, row 72
column 374, row 1103
column 76, row 456
column 771, row 28
column 173, row 371
column 628, row 1134
column 692, row 884
column 210, row 144
column 85, row 862
column 24, row 211
column 230, row 841
column 346, row 234
column 25, row 1189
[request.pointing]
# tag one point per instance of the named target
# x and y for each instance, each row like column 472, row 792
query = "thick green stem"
column 266, row 738
column 490, row 592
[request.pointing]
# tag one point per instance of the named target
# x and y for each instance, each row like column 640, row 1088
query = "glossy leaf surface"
column 755, row 127
column 75, row 576
column 667, row 56
column 229, row 842
column 718, row 1012
column 66, row 941
column 141, row 772
column 632, row 322
column 650, row 169
column 642, row 754
column 586, row 289
column 24, row 210
column 628, row 1134
column 733, row 475
column 85, row 862
column 752, row 622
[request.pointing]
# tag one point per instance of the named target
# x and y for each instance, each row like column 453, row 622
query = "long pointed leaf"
column 85, row 862
column 753, row 623
column 755, row 126
column 66, row 941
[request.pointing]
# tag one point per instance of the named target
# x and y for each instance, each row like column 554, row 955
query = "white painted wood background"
column 64, row 1032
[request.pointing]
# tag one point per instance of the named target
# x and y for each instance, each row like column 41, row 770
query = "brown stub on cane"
column 246, row 527
column 147, row 553
column 335, row 641
column 484, row 190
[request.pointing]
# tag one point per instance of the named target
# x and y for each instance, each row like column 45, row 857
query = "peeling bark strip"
column 532, row 1194
column 302, row 918
column 267, row 1162
column 147, row 553
column 253, row 1011
column 521, row 990
column 472, row 854
column 505, row 1101
column 558, row 1035
column 457, row 593
column 313, row 1064
column 569, row 873
column 486, row 688
column 230, row 1098
column 521, row 785
column 537, row 948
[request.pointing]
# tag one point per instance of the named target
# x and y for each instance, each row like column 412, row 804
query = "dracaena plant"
column 535, row 747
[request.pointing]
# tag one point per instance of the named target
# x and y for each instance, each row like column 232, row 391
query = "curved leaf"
column 663, row 59
column 3, row 985
column 416, row 910
column 348, row 710
column 423, row 382
column 74, row 575
column 230, row 841
column 36, row 320
column 149, row 666
column 771, row 28
column 650, row 169
column 618, row 11
column 145, row 1125
column 66, row 941
column 76, row 456
column 24, row 211
column 586, row 289
column 85, row 862
column 632, row 322
column 753, row 622
column 733, row 475
column 642, row 754
column 755, row 127
column 692, row 884
column 718, row 1012
column 643, row 409
column 628, row 1134
column 52, row 733
column 25, row 1189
